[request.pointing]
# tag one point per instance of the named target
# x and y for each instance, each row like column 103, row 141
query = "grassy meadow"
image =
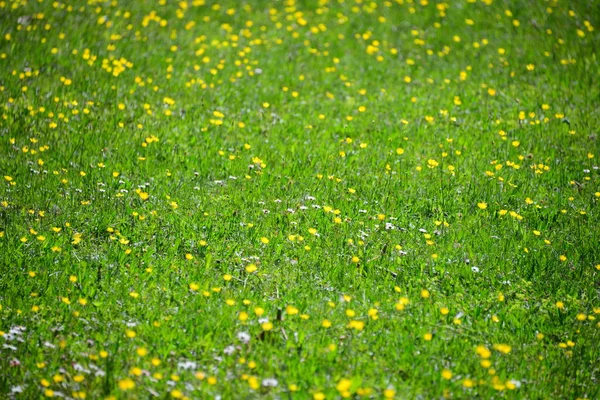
column 299, row 199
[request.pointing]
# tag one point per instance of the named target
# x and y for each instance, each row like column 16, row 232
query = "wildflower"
column 141, row 351
column 503, row 348
column 270, row 382
column 143, row 195
column 126, row 384
column 358, row 325
column 468, row 383
column 483, row 351
column 343, row 385
column 267, row 326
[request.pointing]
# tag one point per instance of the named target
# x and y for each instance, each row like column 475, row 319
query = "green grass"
column 299, row 199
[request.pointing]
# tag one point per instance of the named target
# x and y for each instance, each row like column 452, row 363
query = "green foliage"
column 299, row 199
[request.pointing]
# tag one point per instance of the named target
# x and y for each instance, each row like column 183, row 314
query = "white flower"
column 185, row 365
column 243, row 337
column 270, row 382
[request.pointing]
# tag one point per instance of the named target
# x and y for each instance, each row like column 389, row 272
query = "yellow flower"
column 482, row 205
column 143, row 195
column 447, row 374
column 503, row 348
column 343, row 385
column 126, row 384
column 431, row 163
column 200, row 375
column 267, row 326
column 291, row 310
column 358, row 325
column 141, row 351
column 483, row 351
column 468, row 383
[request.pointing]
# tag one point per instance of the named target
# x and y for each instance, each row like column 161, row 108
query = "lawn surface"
column 299, row 199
